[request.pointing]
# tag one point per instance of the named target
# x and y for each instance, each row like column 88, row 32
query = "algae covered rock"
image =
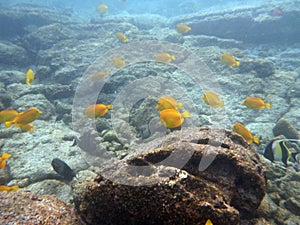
column 18, row 207
column 191, row 176
column 285, row 128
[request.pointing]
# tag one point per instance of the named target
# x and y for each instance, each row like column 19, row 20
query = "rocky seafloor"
column 64, row 50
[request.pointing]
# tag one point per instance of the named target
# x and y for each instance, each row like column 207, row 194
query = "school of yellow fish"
column 171, row 111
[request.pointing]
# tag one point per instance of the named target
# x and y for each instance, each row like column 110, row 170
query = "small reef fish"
column 171, row 118
column 164, row 57
column 62, row 169
column 3, row 159
column 168, row 102
column 208, row 222
column 229, row 60
column 8, row 115
column 29, row 76
column 26, row 127
column 25, row 117
column 118, row 62
column 277, row 150
column 7, row 188
column 96, row 110
column 121, row 37
column 100, row 75
column 212, row 99
column 102, row 9
column 255, row 103
column 182, row 28
column 245, row 133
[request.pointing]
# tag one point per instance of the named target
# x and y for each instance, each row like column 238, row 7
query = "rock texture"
column 153, row 188
column 281, row 202
column 18, row 207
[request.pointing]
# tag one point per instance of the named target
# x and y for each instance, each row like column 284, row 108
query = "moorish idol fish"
column 278, row 151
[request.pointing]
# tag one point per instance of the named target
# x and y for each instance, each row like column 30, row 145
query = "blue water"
column 166, row 8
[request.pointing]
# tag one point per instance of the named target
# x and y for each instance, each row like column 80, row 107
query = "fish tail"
column 256, row 140
column 8, row 124
column 238, row 63
column 109, row 106
column 186, row 114
column 14, row 188
column 268, row 105
column 222, row 104
column 173, row 57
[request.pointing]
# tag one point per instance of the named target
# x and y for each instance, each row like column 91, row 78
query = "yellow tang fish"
column 182, row 28
column 96, row 110
column 25, row 117
column 118, row 62
column 102, row 9
column 212, row 99
column 255, row 103
column 99, row 75
column 121, row 37
column 244, row 132
column 3, row 159
column 168, row 102
column 29, row 76
column 171, row 118
column 7, row 188
column 164, row 57
column 229, row 60
column 8, row 115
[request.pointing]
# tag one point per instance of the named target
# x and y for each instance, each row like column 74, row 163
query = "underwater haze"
column 150, row 112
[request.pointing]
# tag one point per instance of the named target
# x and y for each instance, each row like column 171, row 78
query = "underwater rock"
column 18, row 207
column 293, row 204
column 262, row 68
column 62, row 190
column 35, row 100
column 9, row 77
column 17, row 24
column 5, row 175
column 285, row 128
column 282, row 194
column 45, row 143
column 227, row 192
column 11, row 54
column 255, row 24
column 61, row 109
column 110, row 136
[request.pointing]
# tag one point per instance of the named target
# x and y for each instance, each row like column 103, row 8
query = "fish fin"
column 186, row 114
column 8, row 124
column 5, row 155
column 179, row 105
column 256, row 140
column 208, row 222
column 268, row 105
column 2, row 164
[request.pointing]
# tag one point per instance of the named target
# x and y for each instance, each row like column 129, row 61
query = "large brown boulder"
column 171, row 184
